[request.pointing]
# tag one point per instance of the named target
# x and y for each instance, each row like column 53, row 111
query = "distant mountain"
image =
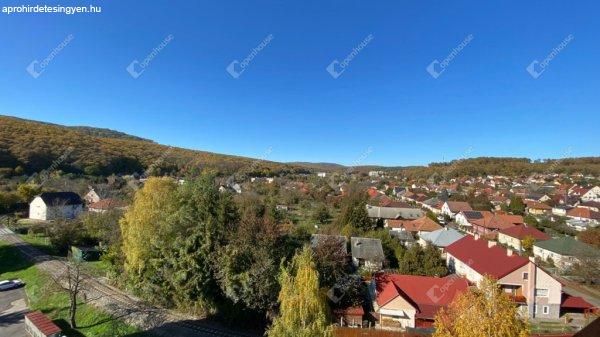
column 38, row 146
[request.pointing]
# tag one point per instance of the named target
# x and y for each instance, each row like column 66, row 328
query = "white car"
column 10, row 284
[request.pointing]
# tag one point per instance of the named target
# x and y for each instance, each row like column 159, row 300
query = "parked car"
column 10, row 284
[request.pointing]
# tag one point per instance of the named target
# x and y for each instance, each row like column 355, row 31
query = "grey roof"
column 442, row 237
column 61, row 198
column 394, row 212
column 315, row 239
column 367, row 249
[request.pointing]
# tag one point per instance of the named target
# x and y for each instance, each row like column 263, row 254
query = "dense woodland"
column 30, row 146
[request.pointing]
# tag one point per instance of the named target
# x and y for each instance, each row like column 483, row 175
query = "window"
column 546, row 310
column 541, row 292
column 526, row 276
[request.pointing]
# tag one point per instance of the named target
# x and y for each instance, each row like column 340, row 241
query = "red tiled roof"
column 427, row 294
column 424, row 224
column 43, row 323
column 458, row 206
column 492, row 261
column 520, row 232
column 537, row 205
column 574, row 302
column 581, row 212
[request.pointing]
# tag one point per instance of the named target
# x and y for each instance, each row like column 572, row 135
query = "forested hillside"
column 32, row 146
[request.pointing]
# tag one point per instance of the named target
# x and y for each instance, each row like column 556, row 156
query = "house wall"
column 461, row 268
column 37, row 209
column 592, row 195
column 400, row 310
column 561, row 261
column 537, row 279
column 509, row 241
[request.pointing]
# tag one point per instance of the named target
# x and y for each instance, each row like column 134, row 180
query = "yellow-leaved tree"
column 485, row 311
column 302, row 310
column 143, row 225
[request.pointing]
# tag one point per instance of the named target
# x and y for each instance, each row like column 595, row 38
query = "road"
column 158, row 321
column 13, row 307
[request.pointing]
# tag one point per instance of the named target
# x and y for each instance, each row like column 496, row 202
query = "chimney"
column 476, row 237
column 509, row 252
column 491, row 244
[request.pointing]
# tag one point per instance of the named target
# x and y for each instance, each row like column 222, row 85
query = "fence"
column 354, row 332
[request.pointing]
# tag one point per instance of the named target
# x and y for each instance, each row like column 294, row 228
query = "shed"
column 39, row 325
column 85, row 253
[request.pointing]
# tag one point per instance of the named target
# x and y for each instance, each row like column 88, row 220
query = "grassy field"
column 42, row 296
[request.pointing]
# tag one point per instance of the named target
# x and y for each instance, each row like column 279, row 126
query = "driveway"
column 13, row 306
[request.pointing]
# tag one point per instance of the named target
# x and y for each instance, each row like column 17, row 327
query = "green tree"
column 516, row 206
column 321, row 214
column 354, row 211
column 249, row 263
column 486, row 311
column 302, row 305
column 432, row 262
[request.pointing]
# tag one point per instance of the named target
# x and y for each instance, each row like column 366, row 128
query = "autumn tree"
column 590, row 236
column 331, row 259
column 527, row 244
column 144, row 225
column 486, row 311
column 302, row 306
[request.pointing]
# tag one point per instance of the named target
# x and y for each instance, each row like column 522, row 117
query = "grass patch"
column 92, row 322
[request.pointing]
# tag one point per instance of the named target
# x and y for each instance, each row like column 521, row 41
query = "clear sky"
column 383, row 108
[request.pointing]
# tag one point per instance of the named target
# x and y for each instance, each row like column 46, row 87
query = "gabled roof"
column 471, row 215
column 493, row 261
column 422, row 292
column 522, row 231
column 60, row 198
column 458, row 206
column 581, row 212
column 367, row 249
column 567, row 246
column 442, row 237
column 423, row 224
column 43, row 323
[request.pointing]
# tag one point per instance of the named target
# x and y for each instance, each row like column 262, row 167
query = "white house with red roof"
column 409, row 301
column 513, row 236
column 536, row 292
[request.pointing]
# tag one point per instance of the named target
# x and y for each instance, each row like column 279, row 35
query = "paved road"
column 158, row 321
column 13, row 307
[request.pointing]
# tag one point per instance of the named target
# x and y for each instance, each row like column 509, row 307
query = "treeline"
column 29, row 147
column 511, row 167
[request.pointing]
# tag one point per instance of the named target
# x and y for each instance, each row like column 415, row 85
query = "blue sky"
column 385, row 108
